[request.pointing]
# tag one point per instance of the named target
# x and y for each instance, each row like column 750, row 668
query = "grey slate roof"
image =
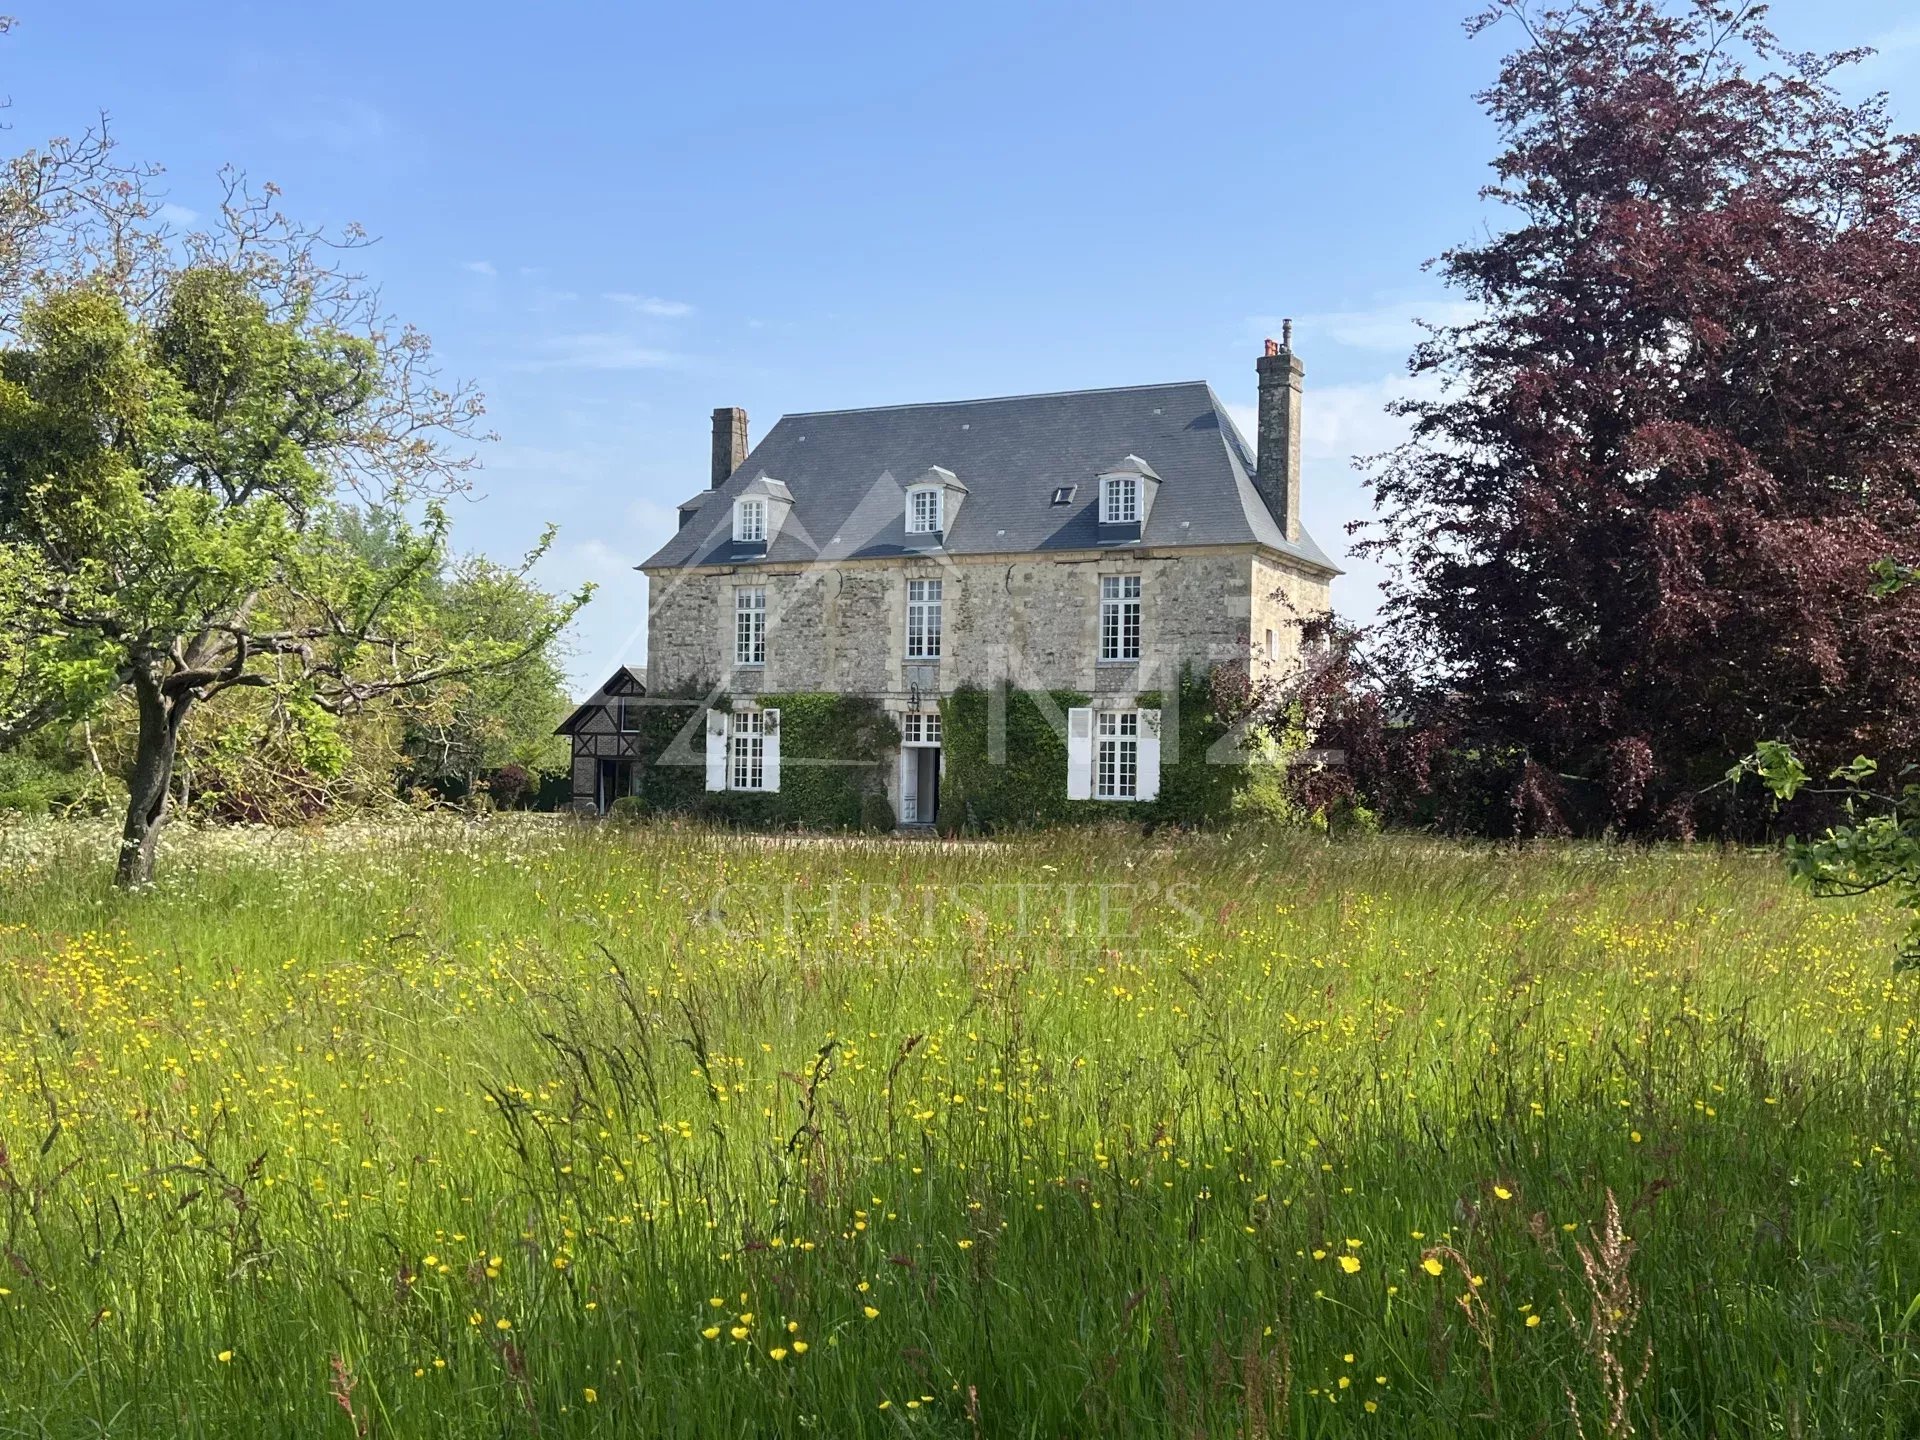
column 849, row 469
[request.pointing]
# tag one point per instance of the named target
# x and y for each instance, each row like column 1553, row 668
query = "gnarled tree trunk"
column 161, row 717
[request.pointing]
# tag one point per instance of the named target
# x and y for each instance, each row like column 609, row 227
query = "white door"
column 909, row 786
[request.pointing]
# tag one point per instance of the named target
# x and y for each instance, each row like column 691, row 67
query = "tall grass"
column 517, row 1128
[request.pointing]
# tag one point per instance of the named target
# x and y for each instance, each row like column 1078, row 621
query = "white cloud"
column 612, row 630
column 599, row 351
column 650, row 305
column 479, row 267
column 1339, row 422
column 177, row 214
column 1894, row 52
column 1389, row 325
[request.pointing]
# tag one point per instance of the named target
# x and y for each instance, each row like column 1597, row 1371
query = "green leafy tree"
column 181, row 429
column 1878, row 849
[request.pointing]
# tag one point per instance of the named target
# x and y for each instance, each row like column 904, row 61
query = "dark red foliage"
column 1634, row 534
column 509, row 785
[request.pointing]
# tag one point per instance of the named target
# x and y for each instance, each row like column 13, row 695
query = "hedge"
column 1201, row 780
column 851, row 734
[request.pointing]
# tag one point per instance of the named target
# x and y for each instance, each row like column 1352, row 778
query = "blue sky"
column 615, row 218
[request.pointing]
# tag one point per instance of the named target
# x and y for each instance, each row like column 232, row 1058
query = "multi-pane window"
column 923, row 619
column 750, row 625
column 1119, row 500
column 747, row 750
column 1116, row 755
column 924, row 511
column 1119, row 617
column 920, row 727
column 750, row 520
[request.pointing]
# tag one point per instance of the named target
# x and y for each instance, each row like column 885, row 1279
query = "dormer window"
column 1120, row 500
column 926, row 509
column 750, row 521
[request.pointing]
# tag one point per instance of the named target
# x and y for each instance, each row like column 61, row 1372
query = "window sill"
column 1134, row 661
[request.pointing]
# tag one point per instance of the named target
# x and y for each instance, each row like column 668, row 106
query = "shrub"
column 876, row 814
column 509, row 785
column 23, row 801
column 628, row 809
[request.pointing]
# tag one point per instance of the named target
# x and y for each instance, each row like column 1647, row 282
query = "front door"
column 929, row 786
column 919, row 784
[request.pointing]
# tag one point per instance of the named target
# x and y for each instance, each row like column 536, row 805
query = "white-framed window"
column 1116, row 755
column 750, row 625
column 628, row 714
column 926, row 510
column 1119, row 617
column 747, row 751
column 1273, row 647
column 920, row 727
column 1120, row 500
column 923, row 619
column 1113, row 754
column 750, row 520
column 743, row 749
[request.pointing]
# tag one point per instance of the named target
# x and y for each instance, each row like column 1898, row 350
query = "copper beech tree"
column 186, row 425
column 1633, row 533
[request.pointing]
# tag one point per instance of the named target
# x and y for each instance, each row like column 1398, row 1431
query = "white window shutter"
column 716, row 749
column 770, row 749
column 1148, row 781
column 909, row 784
column 1080, row 754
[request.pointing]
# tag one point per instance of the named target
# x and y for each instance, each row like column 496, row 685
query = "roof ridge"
column 993, row 399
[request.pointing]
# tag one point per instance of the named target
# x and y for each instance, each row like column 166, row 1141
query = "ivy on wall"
column 835, row 752
column 1205, row 777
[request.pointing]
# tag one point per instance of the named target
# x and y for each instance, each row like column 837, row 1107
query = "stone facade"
column 1031, row 619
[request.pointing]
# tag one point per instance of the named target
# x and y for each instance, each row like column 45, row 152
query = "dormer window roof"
column 933, row 500
column 750, row 520
column 758, row 508
column 1126, row 492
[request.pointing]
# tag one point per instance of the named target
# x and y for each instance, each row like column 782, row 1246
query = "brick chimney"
column 729, row 442
column 1278, row 443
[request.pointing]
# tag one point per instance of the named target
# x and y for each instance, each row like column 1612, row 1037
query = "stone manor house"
column 1092, row 541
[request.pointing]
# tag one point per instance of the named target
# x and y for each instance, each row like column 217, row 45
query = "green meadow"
column 518, row 1128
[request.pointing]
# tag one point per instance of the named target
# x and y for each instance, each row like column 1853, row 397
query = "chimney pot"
column 729, row 442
